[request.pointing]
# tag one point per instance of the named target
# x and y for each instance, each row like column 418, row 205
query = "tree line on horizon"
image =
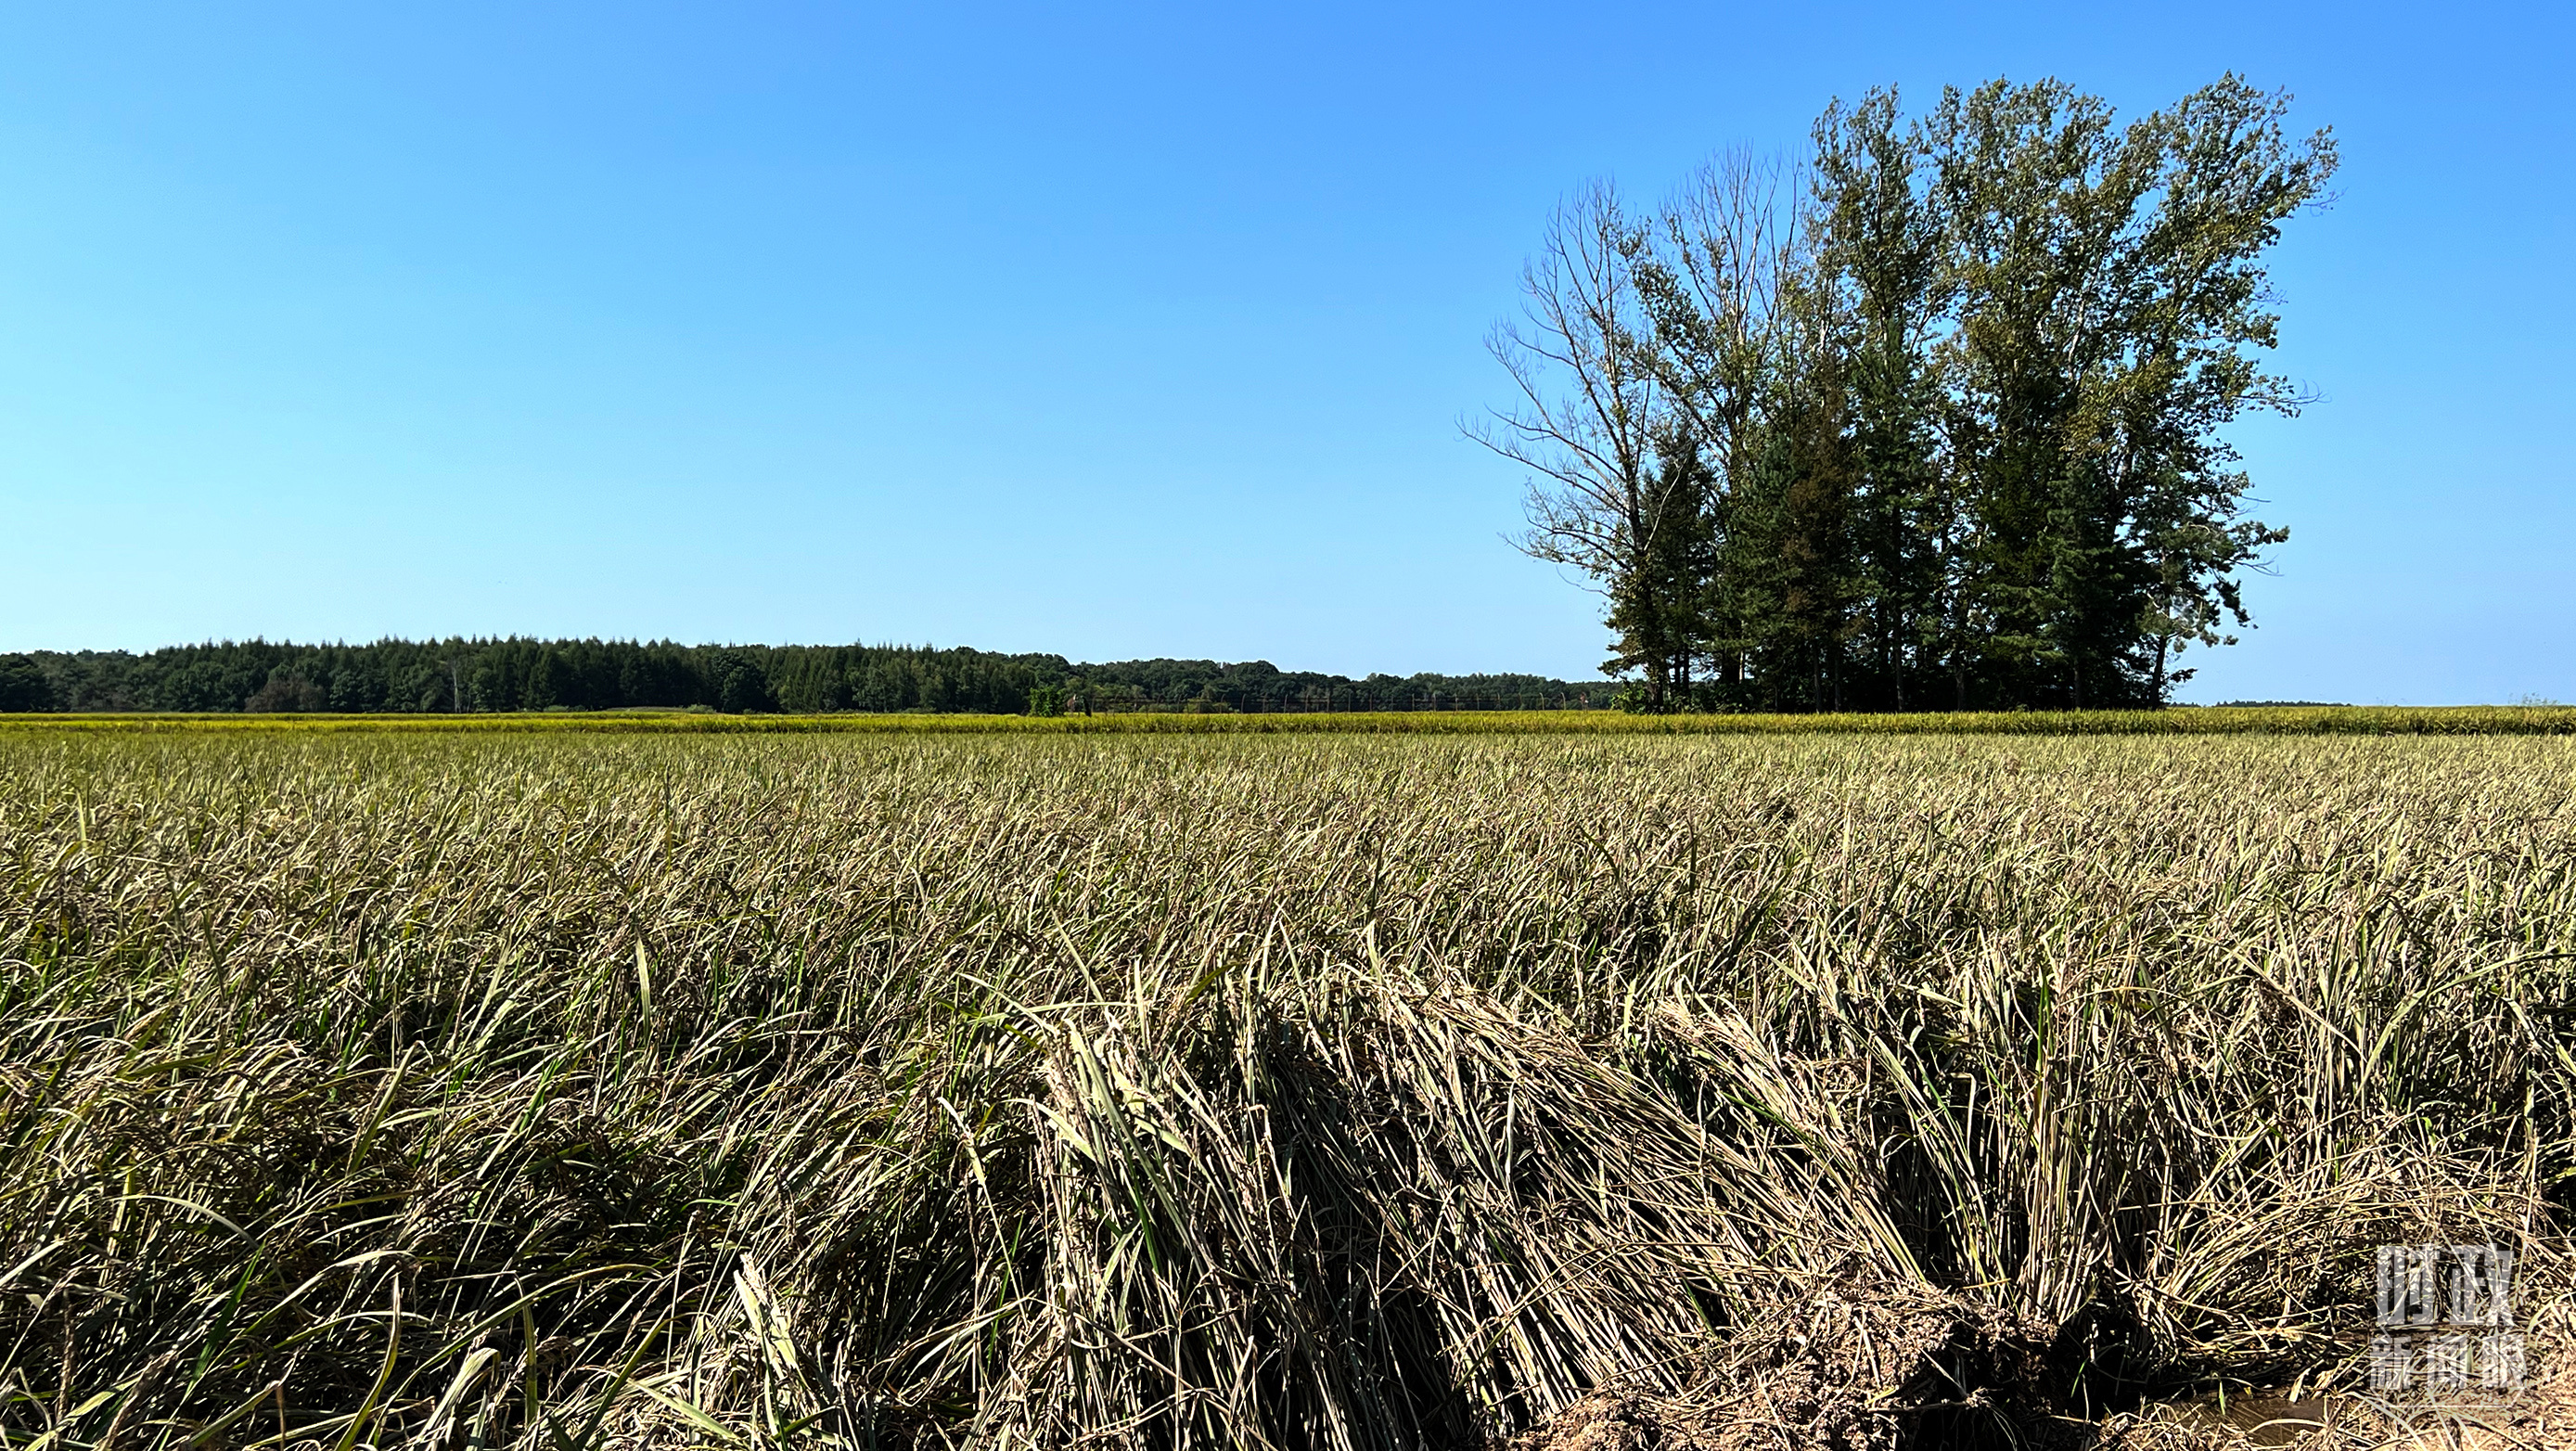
column 481, row 675
column 1932, row 421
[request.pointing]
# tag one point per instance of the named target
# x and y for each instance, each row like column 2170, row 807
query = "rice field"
column 564, row 1090
column 2329, row 720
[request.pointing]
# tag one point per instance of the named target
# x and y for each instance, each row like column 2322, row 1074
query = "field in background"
column 2210, row 720
column 1033, row 1087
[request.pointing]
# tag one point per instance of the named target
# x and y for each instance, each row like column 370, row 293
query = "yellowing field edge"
column 2239, row 720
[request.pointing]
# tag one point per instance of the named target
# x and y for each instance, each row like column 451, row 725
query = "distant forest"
column 522, row 674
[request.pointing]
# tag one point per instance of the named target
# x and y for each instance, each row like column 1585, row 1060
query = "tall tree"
column 1878, row 259
column 2108, row 290
column 1717, row 288
column 1593, row 423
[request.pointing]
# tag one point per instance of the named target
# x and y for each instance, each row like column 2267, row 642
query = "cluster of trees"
column 1930, row 422
column 1257, row 686
column 523, row 674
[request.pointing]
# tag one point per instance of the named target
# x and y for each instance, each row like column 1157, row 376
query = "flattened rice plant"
column 556, row 1091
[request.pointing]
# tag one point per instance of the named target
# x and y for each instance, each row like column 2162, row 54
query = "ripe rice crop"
column 2325, row 720
column 559, row 1090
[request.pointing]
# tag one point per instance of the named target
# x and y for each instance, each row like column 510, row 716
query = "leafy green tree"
column 24, row 685
column 737, row 684
column 2108, row 296
column 1879, row 282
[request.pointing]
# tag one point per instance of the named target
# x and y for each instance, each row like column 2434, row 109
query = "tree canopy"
column 1933, row 420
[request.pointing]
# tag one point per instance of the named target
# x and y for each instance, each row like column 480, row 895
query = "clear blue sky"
column 1107, row 330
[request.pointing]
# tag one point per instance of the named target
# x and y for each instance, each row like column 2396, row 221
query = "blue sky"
column 1113, row 331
